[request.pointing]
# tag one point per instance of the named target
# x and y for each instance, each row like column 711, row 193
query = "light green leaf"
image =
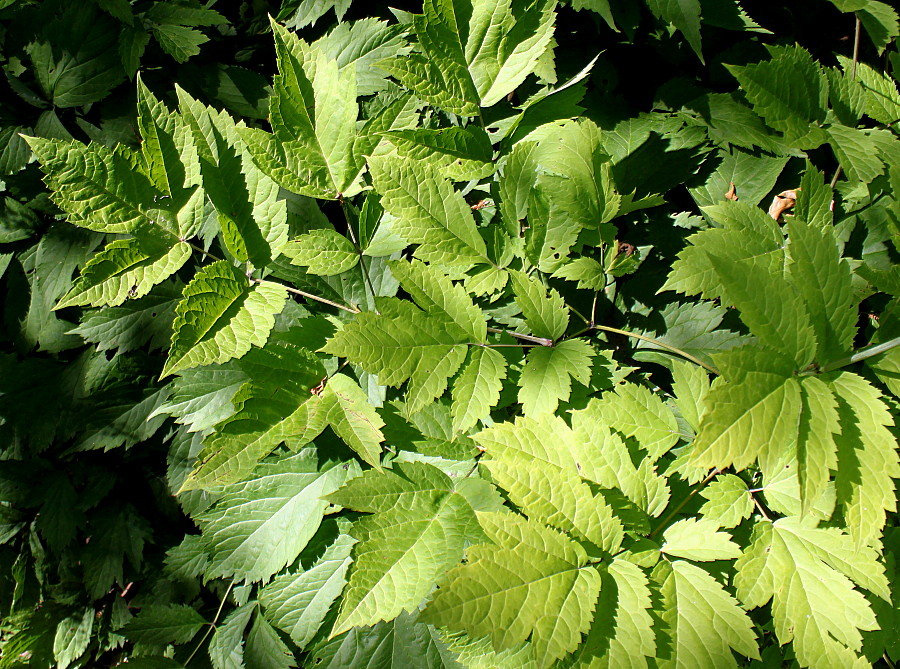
column 323, row 252
column 221, row 317
column 533, row 584
column 816, row 448
column 261, row 524
column 126, row 269
column 744, row 418
column 544, row 311
column 403, row 343
column 857, row 151
column 814, row 199
column 586, row 271
column 428, row 212
column 347, row 409
column 698, row 539
column 690, row 383
column 163, row 624
column 804, row 571
column 753, row 177
column 546, row 377
column 703, row 621
column 867, row 457
column 477, row 387
column 789, row 90
column 298, row 603
column 881, row 95
column 419, row 526
column 438, row 296
column 728, row 501
column 634, row 411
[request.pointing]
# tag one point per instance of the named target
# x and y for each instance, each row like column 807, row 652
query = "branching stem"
column 862, row 354
column 212, row 625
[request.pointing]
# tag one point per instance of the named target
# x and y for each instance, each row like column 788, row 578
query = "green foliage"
column 449, row 346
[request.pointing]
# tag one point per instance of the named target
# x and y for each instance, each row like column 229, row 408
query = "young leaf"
column 221, row 317
column 522, row 587
column 403, row 343
column 698, row 540
column 634, row 411
column 418, row 529
column 546, row 377
column 703, row 622
column 728, row 501
column 546, row 315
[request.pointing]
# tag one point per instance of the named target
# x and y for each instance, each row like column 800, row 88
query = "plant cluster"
column 453, row 346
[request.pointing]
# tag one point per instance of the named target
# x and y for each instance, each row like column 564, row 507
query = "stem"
column 537, row 340
column 687, row 499
column 362, row 265
column 310, row 296
column 200, row 249
column 212, row 625
column 862, row 354
column 657, row 342
column 759, row 507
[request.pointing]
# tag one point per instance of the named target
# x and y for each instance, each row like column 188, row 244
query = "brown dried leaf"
column 782, row 202
column 732, row 193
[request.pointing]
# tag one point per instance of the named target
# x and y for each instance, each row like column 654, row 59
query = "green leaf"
column 634, row 411
column 164, row 623
column 816, row 448
column 221, row 317
column 418, row 529
column 73, row 635
column 814, row 199
column 586, row 271
column 126, row 269
column 265, row 649
column 298, row 603
column 703, row 621
column 753, row 176
column 260, row 525
column 226, row 648
column 806, row 572
column 881, row 23
column 684, row 15
column 180, row 42
column 857, row 151
column 522, row 587
column 698, row 540
column 474, row 53
column 99, row 188
column 545, row 313
column 882, row 99
column 546, row 377
column 323, row 252
column 626, row 638
column 428, row 212
column 134, row 324
column 346, row 408
column 728, row 501
column 403, row 343
column 789, row 90
column 477, row 387
column 460, row 154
